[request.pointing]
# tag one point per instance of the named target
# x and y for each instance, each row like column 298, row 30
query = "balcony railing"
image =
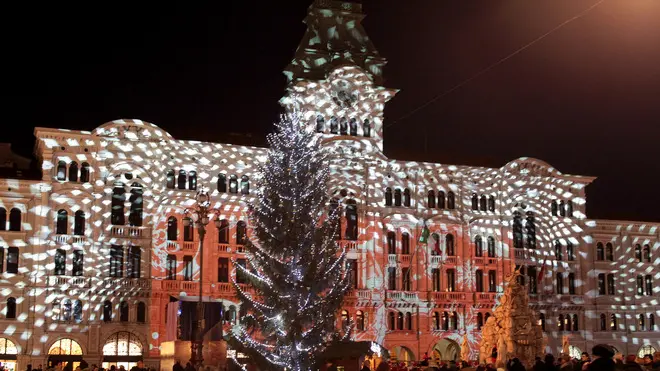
column 66, row 239
column 112, row 282
column 402, row 295
column 360, row 293
column 448, row 296
column 130, row 232
column 451, row 260
column 485, row 297
column 224, row 247
column 406, row 259
column 349, row 245
column 223, row 288
column 172, row 246
column 391, row 259
column 190, row 246
column 68, row 281
column 436, row 259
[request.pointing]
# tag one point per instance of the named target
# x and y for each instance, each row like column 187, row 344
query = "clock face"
column 344, row 93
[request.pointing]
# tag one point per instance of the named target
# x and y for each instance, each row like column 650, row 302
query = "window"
column 492, row 285
column 451, row 277
column 170, row 179
column 609, row 252
column 561, row 323
column 84, row 173
column 638, row 252
column 517, row 231
column 571, row 283
column 15, row 220
column 649, row 285
column 66, row 347
column 399, row 321
column 570, row 251
column 141, row 312
column 430, row 199
column 223, row 270
column 117, row 207
column 352, row 266
column 450, row 244
column 397, row 197
column 441, row 200
column 353, row 126
column 560, row 283
column 651, row 322
column 245, row 185
column 480, row 320
column 107, row 311
column 407, row 279
column 3, row 219
column 61, row 226
column 436, row 244
column 531, row 273
column 408, row 321
column 647, row 248
column 222, row 183
column 613, row 326
column 116, row 261
column 359, row 317
column 187, row 268
column 491, row 203
column 646, row 350
column 79, row 223
column 491, row 247
column 388, row 196
column 562, row 208
column 569, row 208
column 366, row 128
column 553, row 207
column 136, row 200
column 241, row 276
column 78, row 259
column 11, row 308
column 343, row 126
column 603, row 322
column 451, row 200
column 351, row 220
column 223, row 231
column 233, row 184
column 134, row 259
column 391, row 321
column 530, row 228
column 453, row 317
column 241, row 233
column 334, row 125
column 172, row 229
column 406, row 197
column 60, row 262
column 73, row 172
column 192, row 180
column 123, row 311
column 475, row 202
column 483, row 203
column 435, row 279
column 345, row 319
column 479, row 278
column 12, row 259
column 61, row 170
column 405, row 243
column 171, row 267
column 188, row 229
column 641, row 326
column 558, row 254
column 391, row 242
column 640, row 285
column 391, row 278
column 320, row 124
column 2, row 259
column 436, row 321
column 601, row 284
column 478, row 246
column 610, row 284
column 445, row 321
column 77, row 311
column 181, row 180
column 542, row 321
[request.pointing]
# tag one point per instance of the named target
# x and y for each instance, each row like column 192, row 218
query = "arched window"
column 170, row 179
column 60, row 262
column 553, row 207
column 441, row 200
column 15, row 220
column 478, row 247
column 601, row 284
column 651, row 322
column 397, row 197
column 640, row 284
column 445, row 321
column 134, row 267
column 600, row 251
column 560, row 323
column 491, row 203
column 399, row 321
column 609, row 253
column 646, row 350
column 343, row 126
column 353, row 126
column 406, row 197
column 67, row 310
column 366, row 128
column 3, row 219
column 569, row 208
column 570, row 251
column 65, row 347
column 430, row 199
column 122, row 344
column 388, row 196
column 436, row 244
column 334, row 125
column 233, row 184
column 172, row 229
column 241, row 233
column 567, row 323
column 359, row 317
column 61, row 170
column 475, row 202
column 638, row 252
column 530, row 228
column 141, row 312
column 571, row 283
column 436, row 321
column 137, row 202
column 223, row 231
column 603, row 322
column 491, row 247
column 647, row 248
column 558, row 254
column 117, row 206
column 320, row 124
column 181, row 180
column 641, row 323
column 517, row 231
column 405, row 243
column 450, row 245
column 480, row 320
column 222, row 183
column 78, row 261
column 123, row 311
column 483, row 203
column 479, row 280
column 613, row 326
column 79, row 223
column 12, row 259
column 107, row 311
column 61, row 226
column 344, row 319
column 84, row 172
column 610, row 284
column 408, row 321
column 391, row 321
column 245, row 185
column 73, row 171
column 192, row 180
column 11, row 308
column 77, row 311
column 391, row 242
column 223, row 269
column 351, row 220
column 562, row 208
column 649, row 285
column 188, row 229
column 542, row 321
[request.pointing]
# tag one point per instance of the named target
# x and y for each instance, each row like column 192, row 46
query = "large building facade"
column 93, row 253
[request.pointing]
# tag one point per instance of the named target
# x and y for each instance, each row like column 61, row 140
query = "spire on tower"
column 334, row 36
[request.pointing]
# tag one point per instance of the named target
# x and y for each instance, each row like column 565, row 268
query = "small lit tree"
column 294, row 264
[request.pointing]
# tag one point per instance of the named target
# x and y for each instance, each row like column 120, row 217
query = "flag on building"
column 172, row 319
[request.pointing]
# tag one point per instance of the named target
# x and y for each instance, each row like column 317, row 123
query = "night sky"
column 585, row 99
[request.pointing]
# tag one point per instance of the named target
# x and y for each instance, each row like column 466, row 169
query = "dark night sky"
column 586, row 99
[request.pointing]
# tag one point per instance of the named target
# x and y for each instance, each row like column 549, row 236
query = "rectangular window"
column 479, row 278
column 240, row 275
column 116, row 261
column 560, row 283
column 171, row 267
column 223, row 270
column 391, row 278
column 353, row 272
column 601, row 284
column 134, row 257
column 60, row 262
column 531, row 275
column 451, row 283
column 407, row 279
column 187, row 268
column 492, row 283
column 435, row 277
column 2, row 258
column 12, row 260
column 78, row 258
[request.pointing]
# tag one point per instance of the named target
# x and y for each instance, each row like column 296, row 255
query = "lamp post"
column 201, row 214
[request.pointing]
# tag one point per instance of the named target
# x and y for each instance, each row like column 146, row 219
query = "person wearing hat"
column 602, row 359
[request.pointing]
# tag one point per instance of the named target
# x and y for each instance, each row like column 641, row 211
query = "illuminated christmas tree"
column 294, row 265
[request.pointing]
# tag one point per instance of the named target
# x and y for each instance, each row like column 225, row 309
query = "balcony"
column 225, row 288
column 451, row 260
column 363, row 294
column 391, row 259
column 524, row 254
column 66, row 239
column 178, row 286
column 350, row 246
column 122, row 231
column 436, row 259
column 190, row 246
column 485, row 297
column 124, row 283
column 406, row 259
column 66, row 282
column 224, row 248
column 402, row 295
column 172, row 246
column 447, row 296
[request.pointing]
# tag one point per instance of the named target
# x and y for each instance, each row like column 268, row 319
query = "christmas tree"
column 294, row 265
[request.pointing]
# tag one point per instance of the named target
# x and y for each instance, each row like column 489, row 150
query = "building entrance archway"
column 402, row 354
column 8, row 354
column 446, row 350
column 65, row 351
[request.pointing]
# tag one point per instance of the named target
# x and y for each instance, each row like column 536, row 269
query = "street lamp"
column 201, row 214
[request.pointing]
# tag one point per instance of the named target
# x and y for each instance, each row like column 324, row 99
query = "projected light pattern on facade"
column 92, row 253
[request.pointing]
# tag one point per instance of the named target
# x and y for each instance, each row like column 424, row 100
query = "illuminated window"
column 187, row 268
column 353, row 126
column 475, row 202
column 77, row 311
column 405, row 243
column 610, row 284
column 343, row 126
column 562, row 208
column 15, row 220
column 334, row 125
column 491, row 247
column 366, row 128
column 646, row 350
column 567, row 322
column 399, row 321
column 436, row 244
column 352, row 266
column 640, row 285
column 638, row 252
column 478, row 246
column 391, row 242
column 344, row 319
column 10, row 312
column 530, row 228
column 136, row 201
column 613, row 322
column 172, row 229
column 241, row 276
column 73, row 171
column 601, row 284
column 192, row 180
column 571, row 283
column 451, row 200
column 435, row 279
column 561, row 325
column 570, row 251
column 479, row 280
column 430, row 199
column 391, row 321
column 542, row 321
column 649, row 285
column 84, row 172
column 569, row 208
column 7, row 347
column 609, row 252
column 134, row 258
column 171, row 267
column 517, row 231
column 483, row 203
column 117, row 206
column 351, row 220
column 603, row 322
column 66, row 347
column 61, row 226
column 245, row 185
column 141, row 312
column 359, row 317
column 491, row 203
column 188, row 229
column 408, row 321
column 388, row 196
column 241, row 233
column 560, row 283
column 116, row 261
column 492, row 283
column 61, row 170
column 406, row 197
column 60, row 262
column 12, row 259
column 641, row 323
column 445, row 321
column 123, row 311
column 391, row 278
column 558, row 254
column 222, row 183
column 78, row 259
column 107, row 311
column 3, row 219
column 181, row 179
column 451, row 280
column 122, row 344
column 449, row 241
column 233, row 184
column 320, row 124
column 480, row 321
column 647, row 249
column 651, row 322
column 553, row 207
column 79, row 223
column 223, row 231
column 170, row 179
column 407, row 279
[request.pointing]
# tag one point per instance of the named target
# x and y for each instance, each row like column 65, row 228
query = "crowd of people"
column 84, row 366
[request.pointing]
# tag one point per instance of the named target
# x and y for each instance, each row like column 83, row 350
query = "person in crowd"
column 177, row 366
column 383, row 366
column 566, row 363
column 618, row 361
column 365, row 366
column 584, row 359
column 632, row 364
column 549, row 363
column 602, row 359
column 189, row 367
column 515, row 365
